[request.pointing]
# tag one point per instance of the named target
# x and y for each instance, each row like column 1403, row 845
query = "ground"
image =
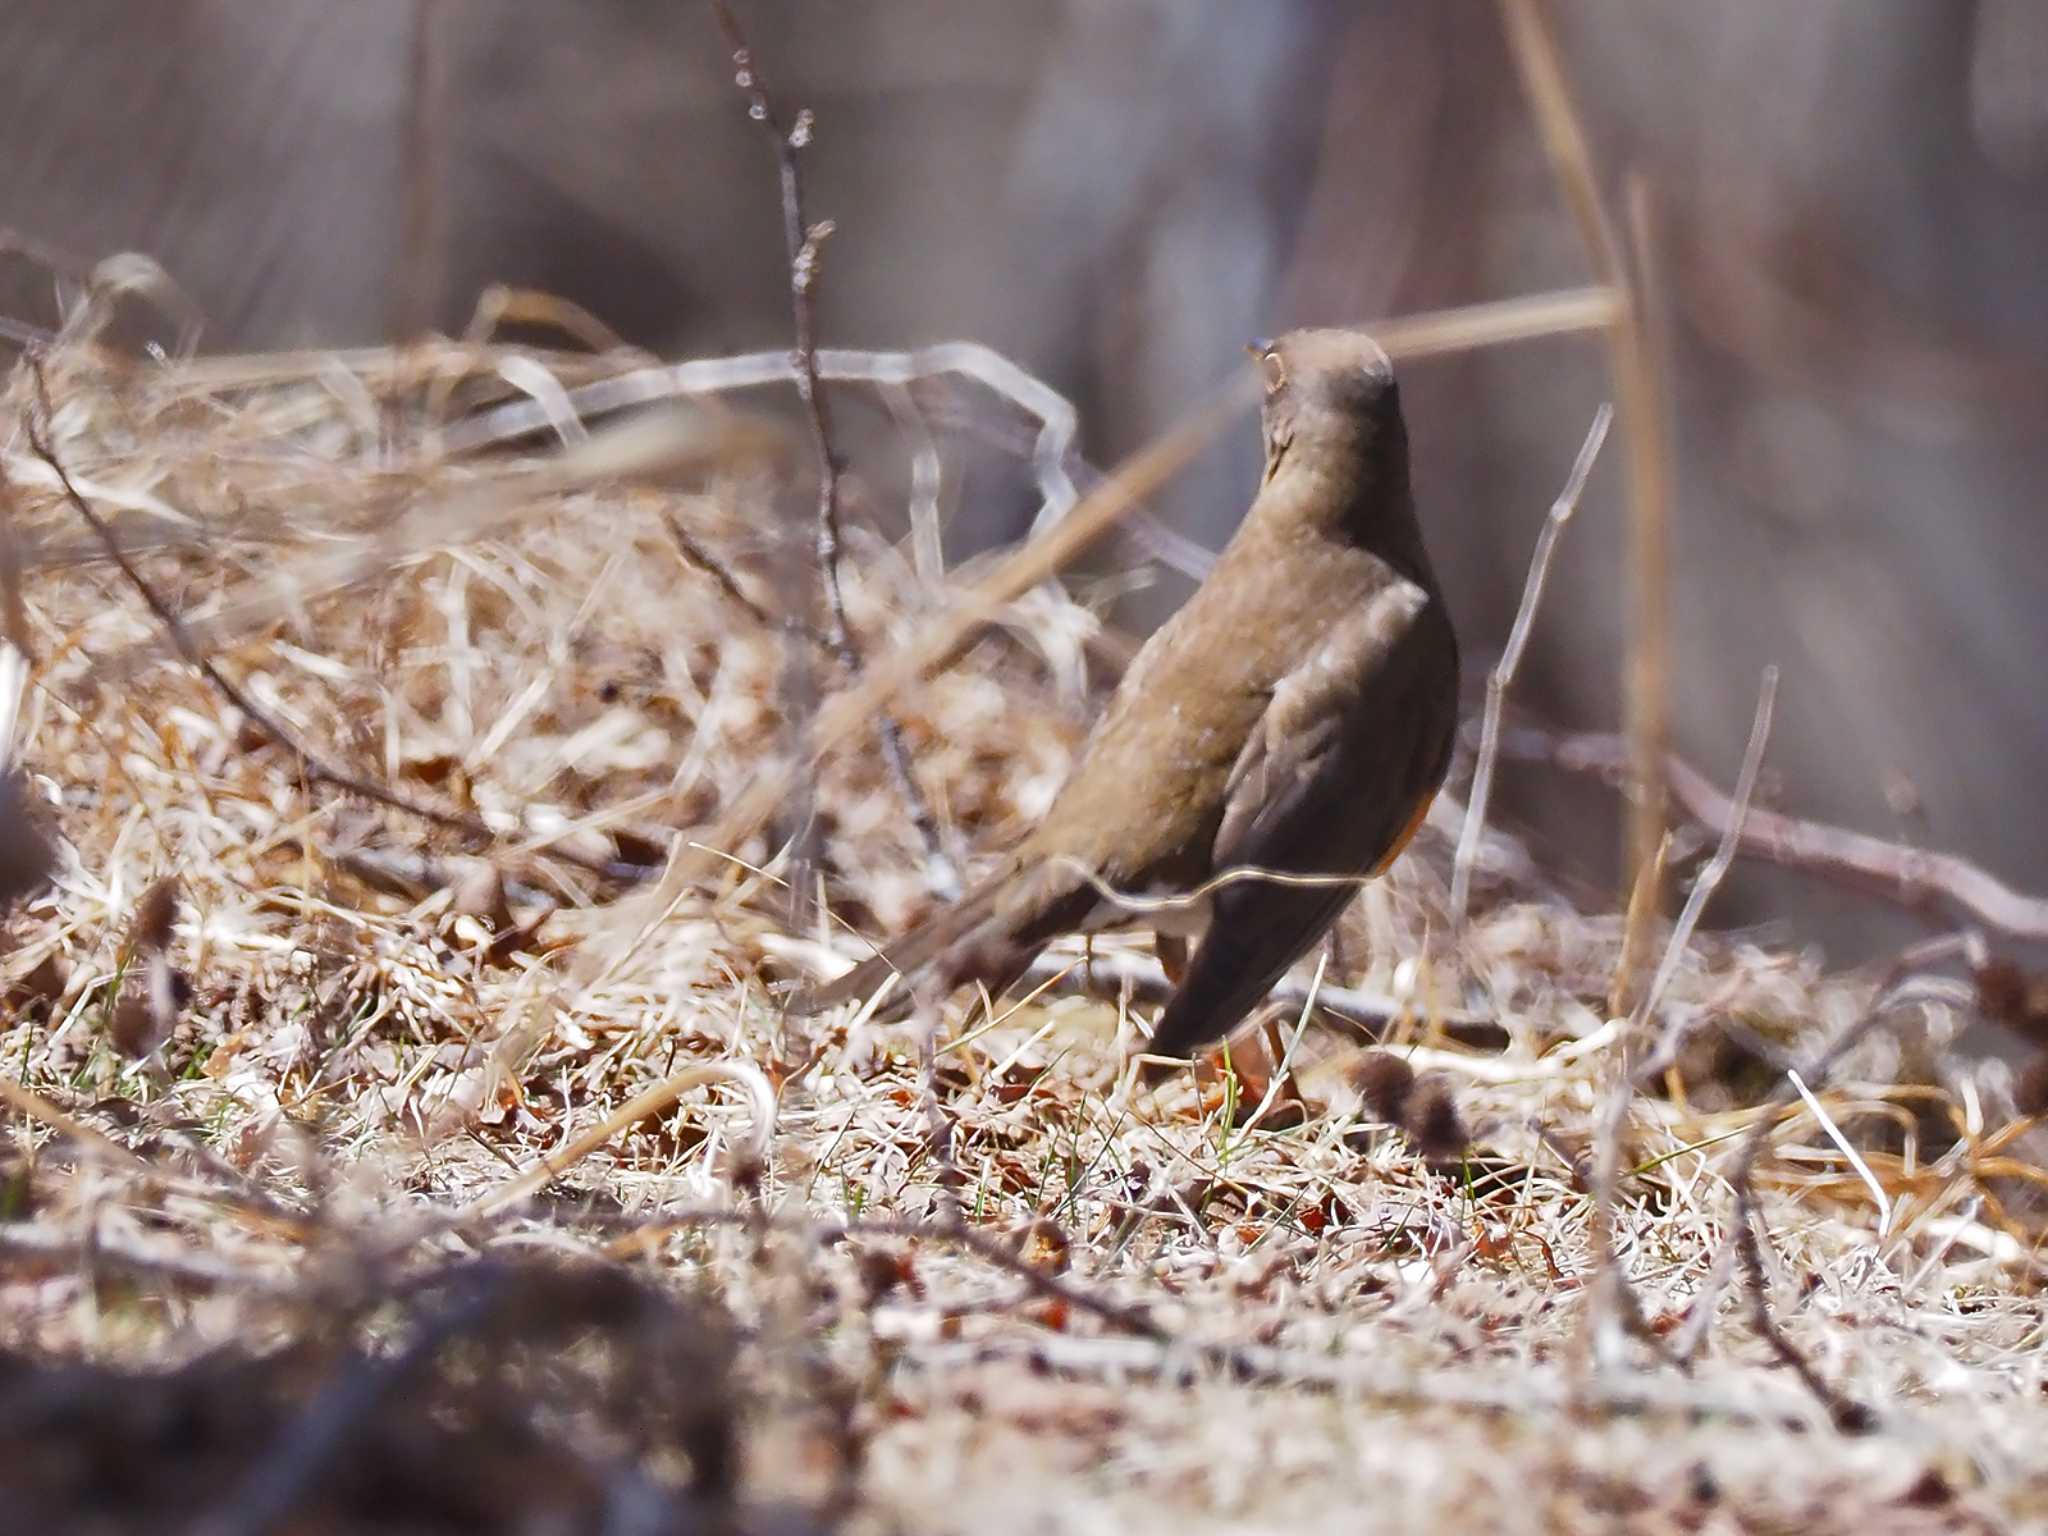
column 407, row 1134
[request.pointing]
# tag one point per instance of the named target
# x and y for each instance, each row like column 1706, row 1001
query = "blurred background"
column 1850, row 200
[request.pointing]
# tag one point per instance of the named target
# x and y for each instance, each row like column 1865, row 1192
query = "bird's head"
column 1331, row 403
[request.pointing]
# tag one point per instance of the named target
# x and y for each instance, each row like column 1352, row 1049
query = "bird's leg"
column 939, row 1122
column 1172, row 949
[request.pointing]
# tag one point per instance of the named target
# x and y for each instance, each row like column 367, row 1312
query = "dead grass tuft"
column 287, row 1198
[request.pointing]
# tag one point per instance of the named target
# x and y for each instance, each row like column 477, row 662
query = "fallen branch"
column 1527, row 1392
column 1942, row 887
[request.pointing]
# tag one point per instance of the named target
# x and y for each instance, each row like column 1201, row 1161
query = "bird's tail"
column 907, row 955
column 981, row 937
column 939, row 933
column 1248, row 947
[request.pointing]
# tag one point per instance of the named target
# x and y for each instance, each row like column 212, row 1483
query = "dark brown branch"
column 13, row 610
column 1942, row 887
column 313, row 769
column 804, row 242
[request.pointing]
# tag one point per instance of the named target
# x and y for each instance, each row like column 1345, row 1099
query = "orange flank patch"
column 1407, row 833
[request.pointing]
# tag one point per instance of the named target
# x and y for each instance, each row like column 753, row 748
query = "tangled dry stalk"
column 396, row 1050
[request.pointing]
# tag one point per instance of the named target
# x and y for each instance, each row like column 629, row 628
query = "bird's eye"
column 1274, row 369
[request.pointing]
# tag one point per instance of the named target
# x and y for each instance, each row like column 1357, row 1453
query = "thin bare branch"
column 1564, row 138
column 1724, row 855
column 1646, row 692
column 1503, row 674
column 805, row 242
column 1607, row 1152
column 695, row 555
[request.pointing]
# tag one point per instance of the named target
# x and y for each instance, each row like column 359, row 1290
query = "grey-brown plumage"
column 1295, row 715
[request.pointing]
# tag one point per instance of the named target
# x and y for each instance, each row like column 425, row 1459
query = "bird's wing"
column 1330, row 783
column 1284, row 758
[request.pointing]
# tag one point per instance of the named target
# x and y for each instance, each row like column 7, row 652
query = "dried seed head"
column 1385, row 1081
column 26, row 854
column 2030, row 1092
column 132, row 1027
column 1432, row 1120
column 156, row 914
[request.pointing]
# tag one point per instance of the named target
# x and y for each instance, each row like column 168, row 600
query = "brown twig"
column 312, row 769
column 1633, row 364
column 1524, row 1394
column 1941, row 887
column 1613, row 1283
column 656, row 1099
column 1646, row 694
column 13, row 609
column 1503, row 674
column 423, row 244
column 805, row 242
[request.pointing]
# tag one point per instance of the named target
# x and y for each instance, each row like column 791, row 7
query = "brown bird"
column 1294, row 716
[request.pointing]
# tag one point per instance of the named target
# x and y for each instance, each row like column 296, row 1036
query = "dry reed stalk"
column 1638, row 392
column 423, row 241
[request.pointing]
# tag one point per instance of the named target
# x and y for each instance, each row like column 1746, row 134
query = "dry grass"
column 1195, row 1303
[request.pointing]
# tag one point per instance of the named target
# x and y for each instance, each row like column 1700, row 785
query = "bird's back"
column 1144, row 805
